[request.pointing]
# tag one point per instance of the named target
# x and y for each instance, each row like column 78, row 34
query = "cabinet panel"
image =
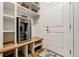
column 1, row 27
column 76, row 29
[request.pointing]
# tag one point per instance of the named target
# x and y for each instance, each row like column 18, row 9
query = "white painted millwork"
column 1, row 27
column 76, row 29
column 9, row 12
column 68, row 39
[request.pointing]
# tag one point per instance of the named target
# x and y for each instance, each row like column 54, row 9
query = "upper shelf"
column 9, row 8
column 28, row 9
column 31, row 4
column 36, row 5
column 24, row 11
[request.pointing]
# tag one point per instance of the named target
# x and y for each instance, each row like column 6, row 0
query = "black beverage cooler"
column 23, row 29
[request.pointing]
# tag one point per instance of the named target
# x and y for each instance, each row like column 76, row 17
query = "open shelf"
column 39, row 51
column 37, row 5
column 9, row 54
column 20, row 52
column 37, row 48
column 25, row 11
column 8, row 23
column 38, row 42
column 38, row 45
column 8, row 31
column 8, row 37
column 30, row 5
column 23, row 51
column 8, row 8
column 8, row 16
column 8, row 44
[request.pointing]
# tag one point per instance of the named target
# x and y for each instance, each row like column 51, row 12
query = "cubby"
column 37, row 48
column 8, row 37
column 23, row 51
column 38, row 43
column 9, row 54
column 8, row 8
column 8, row 24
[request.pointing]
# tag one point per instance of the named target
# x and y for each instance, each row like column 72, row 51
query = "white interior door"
column 57, row 22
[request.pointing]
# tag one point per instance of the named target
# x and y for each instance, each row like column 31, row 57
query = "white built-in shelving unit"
column 10, row 12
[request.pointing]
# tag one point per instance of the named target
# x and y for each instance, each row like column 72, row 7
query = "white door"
column 57, row 26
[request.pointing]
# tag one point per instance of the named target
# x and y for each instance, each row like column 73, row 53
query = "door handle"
column 70, row 26
column 47, row 29
column 70, row 51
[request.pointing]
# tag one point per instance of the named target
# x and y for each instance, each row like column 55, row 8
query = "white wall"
column 36, row 24
column 36, row 27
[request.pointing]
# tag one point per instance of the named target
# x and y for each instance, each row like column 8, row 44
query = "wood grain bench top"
column 11, row 46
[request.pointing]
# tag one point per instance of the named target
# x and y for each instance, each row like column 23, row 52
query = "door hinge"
column 70, row 26
column 69, row 2
column 70, row 51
